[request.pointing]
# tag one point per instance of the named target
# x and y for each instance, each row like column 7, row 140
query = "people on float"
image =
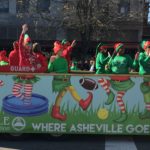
column 121, row 63
column 67, row 49
column 92, row 66
column 61, row 83
column 144, row 69
column 102, row 57
column 41, row 59
column 74, row 65
column 14, row 55
column 23, row 84
column 3, row 58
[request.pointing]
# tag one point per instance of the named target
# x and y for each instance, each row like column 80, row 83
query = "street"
column 73, row 142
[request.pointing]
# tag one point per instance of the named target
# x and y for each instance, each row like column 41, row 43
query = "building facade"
column 13, row 13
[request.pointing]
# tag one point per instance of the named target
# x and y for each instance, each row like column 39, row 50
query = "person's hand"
column 24, row 28
column 107, row 67
column 137, row 56
column 73, row 43
column 109, row 54
column 52, row 58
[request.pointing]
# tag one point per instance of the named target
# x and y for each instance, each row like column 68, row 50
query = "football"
column 88, row 84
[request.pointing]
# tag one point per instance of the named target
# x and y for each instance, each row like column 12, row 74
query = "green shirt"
column 101, row 61
column 59, row 65
column 121, row 64
column 144, row 64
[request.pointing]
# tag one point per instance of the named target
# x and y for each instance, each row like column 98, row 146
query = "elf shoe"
column 56, row 113
column 84, row 104
column 110, row 98
column 145, row 115
column 123, row 117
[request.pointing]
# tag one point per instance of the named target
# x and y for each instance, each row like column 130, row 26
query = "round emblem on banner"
column 18, row 123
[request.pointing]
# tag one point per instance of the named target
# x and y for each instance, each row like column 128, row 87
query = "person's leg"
column 28, row 94
column 56, row 107
column 121, row 105
column 106, row 86
column 84, row 103
column 16, row 90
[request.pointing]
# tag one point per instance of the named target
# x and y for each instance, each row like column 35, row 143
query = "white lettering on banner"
column 19, row 68
column 92, row 128
column 4, row 124
column 5, row 121
column 138, row 129
column 49, row 127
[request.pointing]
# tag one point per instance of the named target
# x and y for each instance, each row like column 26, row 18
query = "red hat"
column 57, row 47
column 26, row 39
column 117, row 46
column 103, row 47
column 3, row 53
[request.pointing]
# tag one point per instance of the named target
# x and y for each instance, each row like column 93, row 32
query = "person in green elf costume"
column 144, row 69
column 61, row 83
column 102, row 57
column 120, row 64
column 74, row 65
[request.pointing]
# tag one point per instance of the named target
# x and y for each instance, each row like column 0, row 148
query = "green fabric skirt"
column 123, row 85
column 18, row 79
column 145, row 88
column 60, row 82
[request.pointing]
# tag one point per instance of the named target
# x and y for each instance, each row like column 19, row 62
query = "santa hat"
column 145, row 44
column 27, row 39
column 57, row 47
column 117, row 46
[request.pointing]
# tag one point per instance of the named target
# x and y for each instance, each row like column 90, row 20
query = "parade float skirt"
column 16, row 106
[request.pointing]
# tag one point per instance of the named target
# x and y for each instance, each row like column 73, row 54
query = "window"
column 43, row 5
column 124, row 7
column 4, row 6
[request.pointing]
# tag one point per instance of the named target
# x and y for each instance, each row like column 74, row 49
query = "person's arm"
column 69, row 48
column 143, row 59
column 21, row 39
column 50, row 64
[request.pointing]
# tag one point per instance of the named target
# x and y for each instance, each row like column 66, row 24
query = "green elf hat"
column 117, row 46
column 64, row 41
column 100, row 46
column 27, row 39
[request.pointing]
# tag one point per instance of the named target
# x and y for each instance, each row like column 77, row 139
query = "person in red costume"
column 3, row 58
column 67, row 49
column 23, row 84
column 41, row 59
column 14, row 55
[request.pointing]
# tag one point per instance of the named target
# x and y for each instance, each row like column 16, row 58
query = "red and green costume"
column 62, row 84
column 101, row 59
column 119, row 65
column 25, row 82
column 144, row 69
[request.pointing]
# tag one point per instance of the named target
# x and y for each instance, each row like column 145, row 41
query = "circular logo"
column 18, row 123
column 103, row 113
